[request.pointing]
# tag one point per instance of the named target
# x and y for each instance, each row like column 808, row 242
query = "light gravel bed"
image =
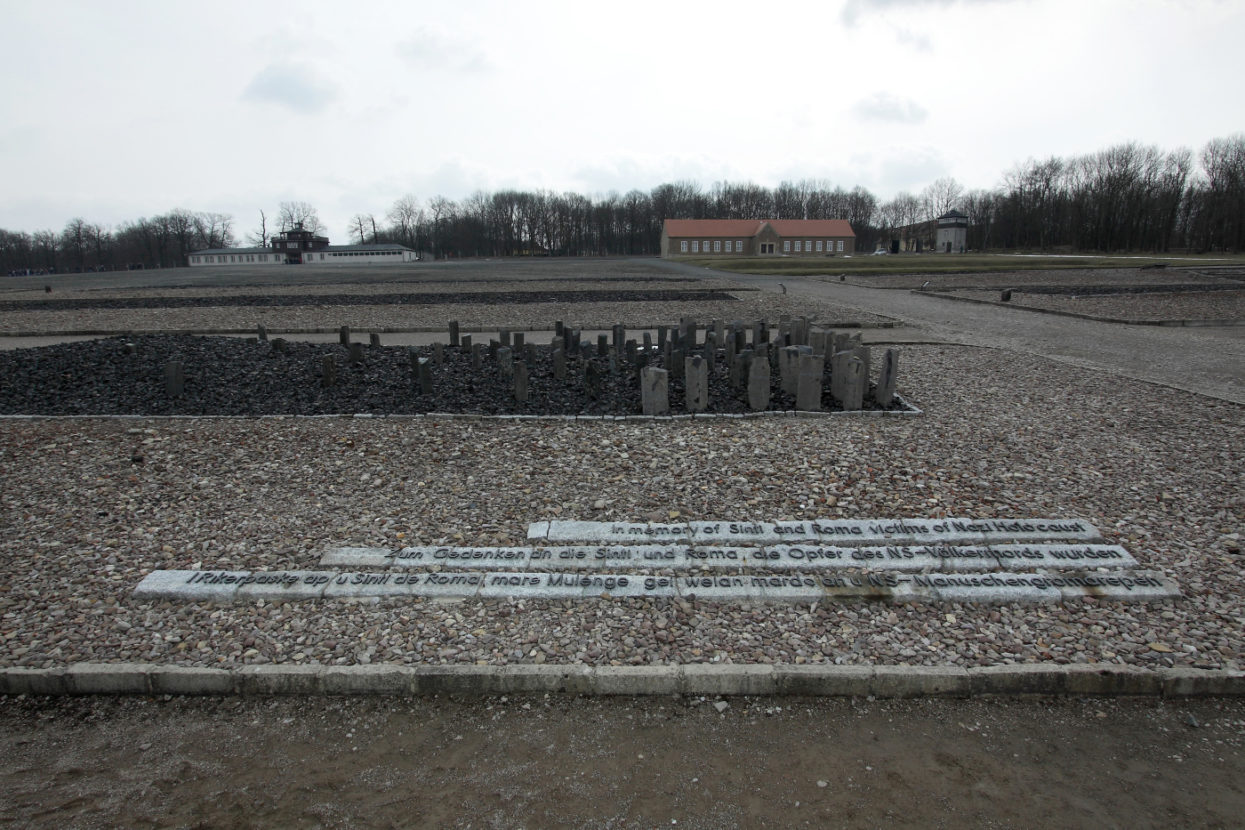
column 1064, row 277
column 1149, row 307
column 90, row 506
column 517, row 317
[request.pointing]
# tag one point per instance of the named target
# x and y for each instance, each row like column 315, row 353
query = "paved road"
column 1205, row 360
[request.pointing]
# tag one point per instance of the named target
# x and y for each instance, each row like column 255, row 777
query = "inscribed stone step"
column 190, row 586
column 280, row 586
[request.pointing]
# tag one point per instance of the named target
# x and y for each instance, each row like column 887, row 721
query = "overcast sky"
column 116, row 110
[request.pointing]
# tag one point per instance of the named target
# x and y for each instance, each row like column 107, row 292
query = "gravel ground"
column 1071, row 277
column 530, row 316
column 1005, row 435
column 1191, row 305
column 230, row 376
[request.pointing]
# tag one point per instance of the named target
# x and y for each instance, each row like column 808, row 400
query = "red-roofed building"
column 757, row 237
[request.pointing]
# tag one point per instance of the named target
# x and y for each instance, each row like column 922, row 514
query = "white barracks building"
column 301, row 247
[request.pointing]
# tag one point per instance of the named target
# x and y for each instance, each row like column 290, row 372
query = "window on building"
column 786, row 245
column 695, row 246
column 717, row 246
column 818, row 246
column 683, row 246
column 840, row 244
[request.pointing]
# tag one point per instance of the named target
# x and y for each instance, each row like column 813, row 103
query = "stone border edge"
column 689, row 679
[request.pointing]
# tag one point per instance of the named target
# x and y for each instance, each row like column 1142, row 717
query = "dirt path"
column 623, row 763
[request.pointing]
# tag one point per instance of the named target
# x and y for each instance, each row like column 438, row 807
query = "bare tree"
column 405, row 217
column 259, row 236
column 358, row 227
column 940, row 196
column 291, row 213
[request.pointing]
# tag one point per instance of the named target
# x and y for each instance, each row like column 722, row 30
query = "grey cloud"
column 886, row 107
column 290, row 85
column 853, row 10
column 427, row 49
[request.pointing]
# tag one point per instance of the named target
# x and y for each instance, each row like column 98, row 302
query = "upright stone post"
column 424, row 366
column 466, row 343
column 504, row 337
column 520, row 381
column 356, row 353
column 654, row 391
column 559, row 364
column 789, row 369
column 758, row 385
column 505, row 362
column 476, row 356
column 620, row 335
column 592, row 380
column 453, row 333
column 886, row 380
column 603, row 345
column 278, row 345
column 174, row 379
column 343, row 335
column 711, row 351
column 374, row 340
column 676, row 363
column 661, row 338
column 519, row 341
column 648, row 341
column 719, row 331
column 696, row 383
column 808, row 392
column 263, row 333
column 438, row 353
column 853, row 386
column 328, row 371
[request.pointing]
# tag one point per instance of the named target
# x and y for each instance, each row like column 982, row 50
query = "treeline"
column 1130, row 197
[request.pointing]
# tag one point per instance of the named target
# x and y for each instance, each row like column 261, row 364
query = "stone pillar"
column 438, row 353
column 424, row 367
column 592, row 380
column 886, row 380
column 661, row 338
column 648, row 342
column 328, row 371
column 654, row 391
column 356, row 352
column 278, row 345
column 505, row 362
column 696, row 384
column 789, row 369
column 808, row 391
column 711, row 351
column 453, row 333
column 676, row 363
column 343, row 335
column 620, row 334
column 559, row 364
column 758, row 385
column 263, row 333
column 853, row 384
column 519, row 369
column 466, row 343
column 603, row 345
column 174, row 379
column 374, row 340
column 476, row 359
column 504, row 337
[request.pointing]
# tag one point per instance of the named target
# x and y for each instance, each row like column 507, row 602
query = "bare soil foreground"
column 537, row 762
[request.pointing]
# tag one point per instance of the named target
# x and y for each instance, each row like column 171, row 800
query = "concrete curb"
column 689, row 679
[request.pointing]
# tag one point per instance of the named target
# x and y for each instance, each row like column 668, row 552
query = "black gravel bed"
column 1099, row 290
column 274, row 300
column 233, row 376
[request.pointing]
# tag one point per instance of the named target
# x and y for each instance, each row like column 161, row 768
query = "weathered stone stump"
column 356, row 352
column 520, row 381
column 476, row 356
column 592, row 380
column 654, row 391
column 885, row 392
column 263, row 333
column 758, row 385
column 520, row 340
column 808, row 390
column 853, row 384
column 438, row 353
column 559, row 364
column 374, row 340
column 696, row 384
column 1006, row 295
column 328, row 371
column 503, row 337
column 505, row 361
column 343, row 335
column 465, row 342
column 603, row 345
column 454, row 332
column 278, row 345
column 789, row 369
column 424, row 370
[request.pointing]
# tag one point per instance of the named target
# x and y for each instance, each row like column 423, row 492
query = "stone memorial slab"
column 364, row 585
column 281, row 586
column 356, row 557
column 465, row 557
column 190, row 586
